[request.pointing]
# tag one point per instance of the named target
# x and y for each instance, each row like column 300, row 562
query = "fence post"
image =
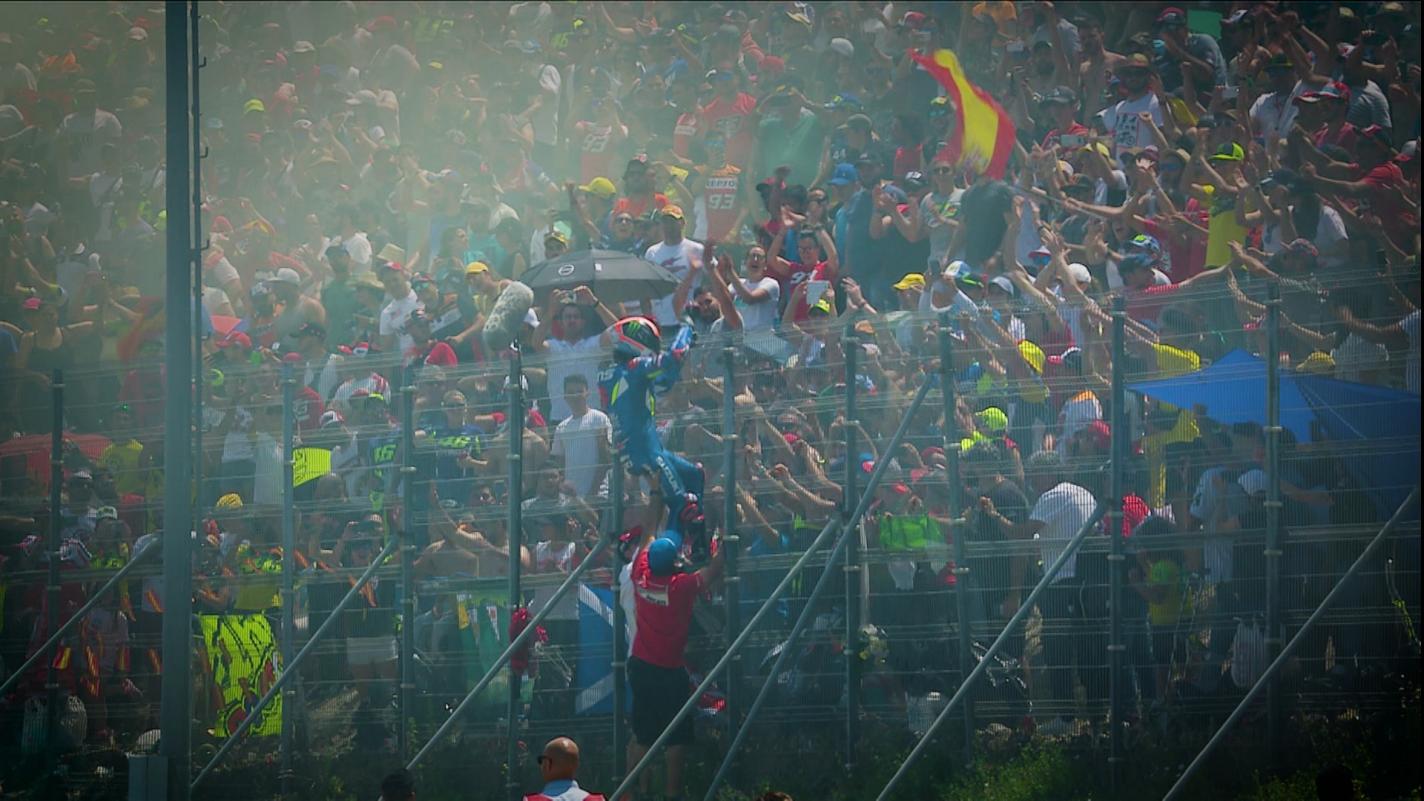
column 56, row 480
column 289, row 569
column 1120, row 438
column 731, row 541
column 961, row 567
column 411, row 498
column 1273, row 513
column 620, row 621
column 175, row 698
column 197, row 243
column 853, row 556
column 515, row 495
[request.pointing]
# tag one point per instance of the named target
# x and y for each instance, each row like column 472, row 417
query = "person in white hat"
column 297, row 309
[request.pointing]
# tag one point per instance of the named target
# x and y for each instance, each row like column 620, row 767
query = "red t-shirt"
column 683, row 132
column 1188, row 257
column 729, row 118
column 596, row 148
column 798, row 274
column 663, row 607
column 637, row 206
column 1344, row 136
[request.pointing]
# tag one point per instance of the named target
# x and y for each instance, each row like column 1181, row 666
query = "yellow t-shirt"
column 1171, row 361
column 1222, row 228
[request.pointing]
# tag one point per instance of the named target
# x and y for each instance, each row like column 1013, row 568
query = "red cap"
column 381, row 23
column 235, row 338
column 293, row 358
column 1099, row 433
column 32, row 304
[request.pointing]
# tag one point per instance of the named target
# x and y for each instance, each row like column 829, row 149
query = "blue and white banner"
column 594, row 674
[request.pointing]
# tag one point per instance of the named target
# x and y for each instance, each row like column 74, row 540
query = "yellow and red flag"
column 983, row 136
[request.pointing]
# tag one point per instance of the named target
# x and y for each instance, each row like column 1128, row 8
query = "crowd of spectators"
column 377, row 172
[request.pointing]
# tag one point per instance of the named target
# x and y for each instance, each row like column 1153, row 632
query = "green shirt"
column 797, row 146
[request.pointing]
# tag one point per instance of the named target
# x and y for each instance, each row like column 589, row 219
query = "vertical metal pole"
column 956, row 504
column 289, row 571
column 853, row 555
column 731, row 541
column 52, row 593
column 1120, row 438
column 1273, row 513
column 620, row 624
column 411, row 499
column 175, row 701
column 516, row 541
column 197, row 180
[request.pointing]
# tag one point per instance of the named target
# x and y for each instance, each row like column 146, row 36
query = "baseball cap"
column 844, row 174
column 662, row 556
column 229, row 502
column 1002, row 282
column 421, row 278
column 910, row 281
column 285, row 275
column 392, row 252
column 913, row 19
column 1330, row 91
column 675, row 212
column 235, row 338
column 253, row 106
column 32, row 304
column 106, row 513
column 1135, row 61
column 303, row 46
column 1146, row 243
column 993, row 418
column 1080, row 273
column 844, row 100
column 1228, row 152
column 600, row 186
column 476, row 267
column 1172, row 17
column 1318, row 362
column 1253, row 482
column 330, row 418
column 842, row 47
column 1060, row 94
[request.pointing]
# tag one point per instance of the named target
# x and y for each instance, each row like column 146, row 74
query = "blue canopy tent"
column 1378, row 427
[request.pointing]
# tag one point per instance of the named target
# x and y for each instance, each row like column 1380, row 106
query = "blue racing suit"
column 629, row 391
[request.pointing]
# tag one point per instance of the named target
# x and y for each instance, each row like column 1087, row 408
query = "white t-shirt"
column 1124, row 126
column 1274, row 113
column 394, row 316
column 761, row 315
column 1328, row 231
column 576, row 441
column 676, row 259
column 545, row 119
column 571, row 358
column 1062, row 510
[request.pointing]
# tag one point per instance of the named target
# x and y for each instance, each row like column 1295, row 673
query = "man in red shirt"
column 728, row 115
column 663, row 597
column 1376, row 179
column 639, row 197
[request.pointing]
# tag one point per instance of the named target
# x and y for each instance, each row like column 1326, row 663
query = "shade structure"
column 1376, row 427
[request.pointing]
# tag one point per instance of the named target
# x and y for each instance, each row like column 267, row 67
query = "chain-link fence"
column 370, row 501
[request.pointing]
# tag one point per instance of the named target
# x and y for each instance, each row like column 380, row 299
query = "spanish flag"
column 983, row 136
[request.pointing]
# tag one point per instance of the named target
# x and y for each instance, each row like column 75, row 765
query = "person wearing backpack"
column 558, row 765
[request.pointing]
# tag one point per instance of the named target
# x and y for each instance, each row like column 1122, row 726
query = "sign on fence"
column 243, row 662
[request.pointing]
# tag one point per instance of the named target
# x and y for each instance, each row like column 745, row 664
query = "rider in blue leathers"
column 640, row 373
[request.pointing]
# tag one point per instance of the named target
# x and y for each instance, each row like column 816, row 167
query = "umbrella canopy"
column 1381, row 424
column 614, row 277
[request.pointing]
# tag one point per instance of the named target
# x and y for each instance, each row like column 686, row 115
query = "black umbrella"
column 613, row 276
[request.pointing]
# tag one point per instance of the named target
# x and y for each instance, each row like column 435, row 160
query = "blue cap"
column 895, row 193
column 662, row 556
column 844, row 174
column 844, row 100
column 1146, row 243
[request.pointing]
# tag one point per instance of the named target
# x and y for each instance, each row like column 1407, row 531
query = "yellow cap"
column 1032, row 354
column 253, row 105
column 1318, row 362
column 910, row 281
column 600, row 186
column 672, row 211
column 476, row 267
column 994, row 419
column 229, row 502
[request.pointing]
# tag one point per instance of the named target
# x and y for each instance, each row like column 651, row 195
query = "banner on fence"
column 243, row 663
column 594, row 676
